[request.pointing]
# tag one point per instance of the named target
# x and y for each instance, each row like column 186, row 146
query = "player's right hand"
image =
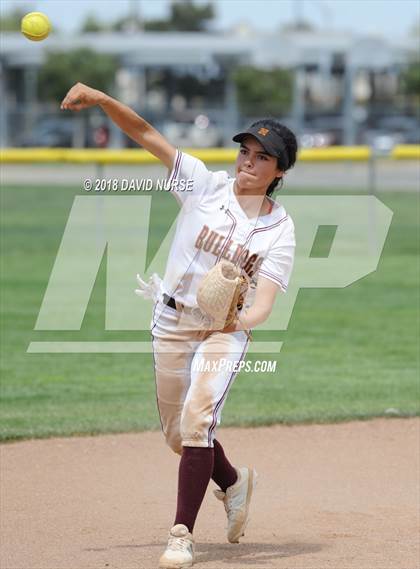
column 151, row 289
column 81, row 96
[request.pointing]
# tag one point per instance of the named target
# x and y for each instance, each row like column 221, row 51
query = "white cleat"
column 236, row 501
column 179, row 553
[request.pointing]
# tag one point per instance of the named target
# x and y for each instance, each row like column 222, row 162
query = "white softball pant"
column 194, row 370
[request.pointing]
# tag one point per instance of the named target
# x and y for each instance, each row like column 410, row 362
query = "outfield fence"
column 215, row 155
column 107, row 157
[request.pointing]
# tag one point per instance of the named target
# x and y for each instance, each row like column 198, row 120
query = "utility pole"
column 298, row 9
column 134, row 13
column 348, row 106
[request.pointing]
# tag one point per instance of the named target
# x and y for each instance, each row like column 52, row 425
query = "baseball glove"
column 221, row 294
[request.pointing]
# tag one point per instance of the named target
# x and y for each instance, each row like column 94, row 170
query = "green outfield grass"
column 348, row 353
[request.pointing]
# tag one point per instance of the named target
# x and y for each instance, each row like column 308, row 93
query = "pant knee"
column 195, row 431
column 174, row 441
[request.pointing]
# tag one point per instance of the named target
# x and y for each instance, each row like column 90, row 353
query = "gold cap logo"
column 263, row 131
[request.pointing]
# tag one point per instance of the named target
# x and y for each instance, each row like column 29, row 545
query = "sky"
column 382, row 17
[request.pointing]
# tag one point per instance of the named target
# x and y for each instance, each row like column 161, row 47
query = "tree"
column 10, row 22
column 415, row 29
column 130, row 23
column 92, row 24
column 189, row 17
column 185, row 16
column 411, row 80
column 264, row 92
column 62, row 69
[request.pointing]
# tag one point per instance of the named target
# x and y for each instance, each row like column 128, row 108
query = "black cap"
column 272, row 142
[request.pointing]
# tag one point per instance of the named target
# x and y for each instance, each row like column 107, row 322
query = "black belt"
column 169, row 301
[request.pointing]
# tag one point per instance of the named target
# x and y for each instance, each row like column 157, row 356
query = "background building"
column 331, row 86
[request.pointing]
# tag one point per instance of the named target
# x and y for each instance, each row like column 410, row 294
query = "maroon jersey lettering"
column 249, row 264
column 226, row 254
column 216, row 248
column 257, row 266
column 208, row 244
column 237, row 253
column 201, row 236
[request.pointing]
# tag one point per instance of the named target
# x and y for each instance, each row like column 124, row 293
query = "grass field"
column 348, row 353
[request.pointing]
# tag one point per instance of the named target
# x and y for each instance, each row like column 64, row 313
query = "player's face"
column 255, row 169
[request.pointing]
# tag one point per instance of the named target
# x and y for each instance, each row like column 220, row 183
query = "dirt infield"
column 329, row 497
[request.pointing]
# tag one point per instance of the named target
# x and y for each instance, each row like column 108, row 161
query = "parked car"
column 50, row 132
column 198, row 131
column 386, row 132
column 322, row 131
column 315, row 138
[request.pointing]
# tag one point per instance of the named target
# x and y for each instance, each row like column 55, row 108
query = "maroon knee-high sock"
column 224, row 474
column 195, row 469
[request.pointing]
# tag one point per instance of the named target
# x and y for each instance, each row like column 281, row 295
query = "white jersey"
column 212, row 226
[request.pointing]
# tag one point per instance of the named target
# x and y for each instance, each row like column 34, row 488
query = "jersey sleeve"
column 189, row 178
column 278, row 264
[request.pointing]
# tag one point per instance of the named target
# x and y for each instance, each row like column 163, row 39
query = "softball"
column 35, row 26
